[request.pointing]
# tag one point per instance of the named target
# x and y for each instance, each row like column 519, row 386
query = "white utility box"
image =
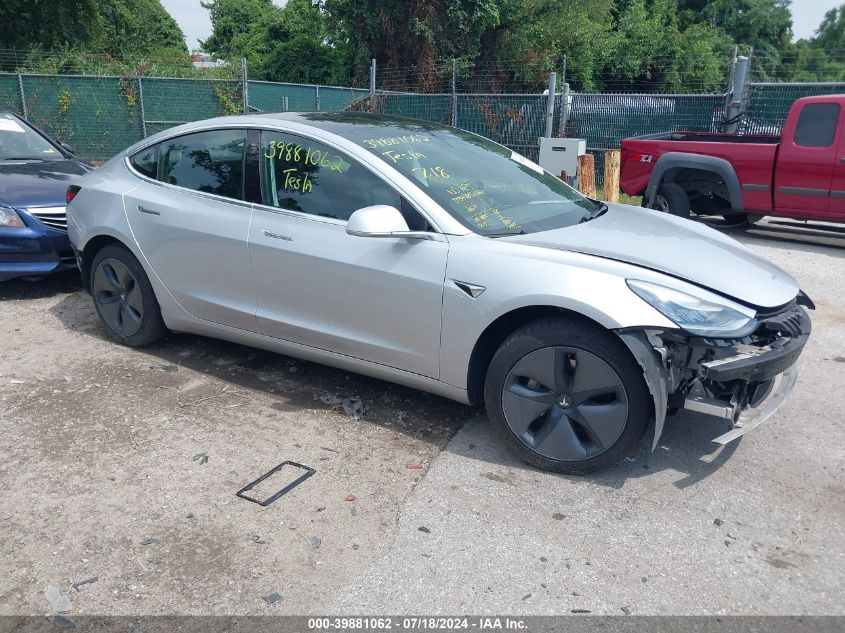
column 561, row 154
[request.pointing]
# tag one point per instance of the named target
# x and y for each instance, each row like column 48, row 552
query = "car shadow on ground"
column 289, row 384
column 685, row 446
column 40, row 288
column 814, row 237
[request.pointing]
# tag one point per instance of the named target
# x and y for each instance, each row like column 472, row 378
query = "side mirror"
column 69, row 149
column 381, row 220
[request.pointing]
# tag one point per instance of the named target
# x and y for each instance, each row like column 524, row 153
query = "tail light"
column 71, row 193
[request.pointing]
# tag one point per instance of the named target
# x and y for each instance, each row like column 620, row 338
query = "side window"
column 212, row 162
column 817, row 125
column 146, row 161
column 300, row 174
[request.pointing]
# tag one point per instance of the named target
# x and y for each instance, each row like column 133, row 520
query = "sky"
column 194, row 21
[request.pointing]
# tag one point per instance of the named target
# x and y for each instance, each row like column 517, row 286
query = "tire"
column 570, row 427
column 671, row 198
column 124, row 298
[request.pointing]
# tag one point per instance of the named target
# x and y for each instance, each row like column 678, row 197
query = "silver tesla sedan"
column 435, row 258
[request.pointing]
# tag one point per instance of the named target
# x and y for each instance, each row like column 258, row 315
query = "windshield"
column 20, row 142
column 488, row 188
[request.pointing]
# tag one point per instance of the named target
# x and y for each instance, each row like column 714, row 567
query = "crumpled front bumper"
column 745, row 387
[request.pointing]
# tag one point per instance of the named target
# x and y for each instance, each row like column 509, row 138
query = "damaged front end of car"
column 742, row 379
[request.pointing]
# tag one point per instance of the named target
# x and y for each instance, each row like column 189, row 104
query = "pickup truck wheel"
column 567, row 396
column 671, row 198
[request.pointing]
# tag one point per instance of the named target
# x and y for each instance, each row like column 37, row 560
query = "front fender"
column 515, row 276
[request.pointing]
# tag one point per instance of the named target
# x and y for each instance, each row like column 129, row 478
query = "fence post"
column 142, row 110
column 22, row 94
column 737, row 95
column 587, row 175
column 563, row 71
column 285, row 103
column 317, row 98
column 550, row 104
column 454, row 93
column 373, row 85
column 564, row 110
column 245, row 90
column 611, row 175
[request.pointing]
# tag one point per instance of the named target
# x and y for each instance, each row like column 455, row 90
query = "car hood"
column 678, row 247
column 37, row 183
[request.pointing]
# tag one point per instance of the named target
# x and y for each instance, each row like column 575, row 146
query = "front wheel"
column 567, row 396
column 124, row 298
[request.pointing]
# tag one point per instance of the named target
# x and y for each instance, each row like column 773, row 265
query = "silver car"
column 435, row 258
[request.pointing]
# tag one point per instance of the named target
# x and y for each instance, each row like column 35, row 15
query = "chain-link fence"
column 101, row 115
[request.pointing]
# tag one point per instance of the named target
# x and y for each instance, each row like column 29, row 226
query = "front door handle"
column 277, row 236
column 149, row 211
column 842, row 159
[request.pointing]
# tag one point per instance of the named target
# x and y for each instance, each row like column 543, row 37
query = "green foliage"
column 114, row 27
column 141, row 27
column 281, row 44
column 47, row 23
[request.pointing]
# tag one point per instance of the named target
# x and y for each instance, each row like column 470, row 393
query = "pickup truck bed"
column 800, row 174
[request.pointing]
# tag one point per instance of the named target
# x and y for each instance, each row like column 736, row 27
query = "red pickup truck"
column 799, row 174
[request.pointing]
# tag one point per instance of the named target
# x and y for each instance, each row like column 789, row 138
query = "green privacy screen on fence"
column 100, row 116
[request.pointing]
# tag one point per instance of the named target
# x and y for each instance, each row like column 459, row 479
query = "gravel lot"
column 104, row 477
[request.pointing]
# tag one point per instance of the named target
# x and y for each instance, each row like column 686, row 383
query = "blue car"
column 35, row 172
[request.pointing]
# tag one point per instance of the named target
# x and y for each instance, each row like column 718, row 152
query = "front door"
column 377, row 299
column 193, row 227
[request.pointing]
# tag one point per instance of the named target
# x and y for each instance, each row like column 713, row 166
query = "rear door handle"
column 277, row 236
column 145, row 210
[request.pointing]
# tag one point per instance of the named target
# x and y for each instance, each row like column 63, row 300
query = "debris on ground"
column 150, row 541
column 351, row 497
column 526, row 596
column 272, row 598
column 257, row 539
column 580, row 611
column 316, row 541
column 424, row 529
column 202, row 458
column 87, row 581
column 718, row 521
column 414, row 466
column 557, row 516
column 58, row 602
column 352, row 406
column 626, row 610
column 165, row 368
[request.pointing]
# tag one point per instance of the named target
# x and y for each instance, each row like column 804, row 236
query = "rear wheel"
column 671, row 198
column 567, row 396
column 124, row 298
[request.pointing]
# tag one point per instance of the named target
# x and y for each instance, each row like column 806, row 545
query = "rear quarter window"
column 817, row 125
column 146, row 161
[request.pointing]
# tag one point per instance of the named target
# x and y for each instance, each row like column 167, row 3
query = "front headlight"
column 695, row 315
column 10, row 217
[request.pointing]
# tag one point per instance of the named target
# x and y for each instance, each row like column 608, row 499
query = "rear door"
column 191, row 222
column 805, row 163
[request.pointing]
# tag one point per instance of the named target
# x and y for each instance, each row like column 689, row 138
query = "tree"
column 232, row 22
column 47, row 24
column 139, row 28
column 405, row 34
column 830, row 36
column 116, row 27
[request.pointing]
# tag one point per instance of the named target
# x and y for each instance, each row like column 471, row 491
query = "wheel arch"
column 495, row 334
column 672, row 164
column 89, row 252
